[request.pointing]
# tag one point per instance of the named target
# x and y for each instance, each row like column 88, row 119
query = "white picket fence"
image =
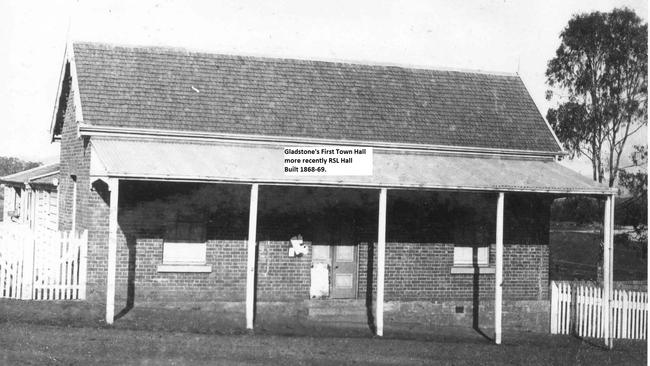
column 12, row 245
column 631, row 312
column 577, row 308
column 560, row 308
column 48, row 265
column 589, row 312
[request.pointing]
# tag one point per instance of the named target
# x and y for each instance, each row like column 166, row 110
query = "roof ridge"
column 188, row 51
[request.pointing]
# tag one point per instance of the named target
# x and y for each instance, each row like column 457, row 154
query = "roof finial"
column 518, row 63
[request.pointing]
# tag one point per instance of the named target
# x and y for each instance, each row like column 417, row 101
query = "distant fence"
column 43, row 265
column 577, row 308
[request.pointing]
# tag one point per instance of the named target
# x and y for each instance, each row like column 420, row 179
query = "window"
column 471, row 259
column 17, row 199
column 471, row 256
column 13, row 204
column 184, row 248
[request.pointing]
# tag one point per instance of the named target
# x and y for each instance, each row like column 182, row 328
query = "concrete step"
column 338, row 310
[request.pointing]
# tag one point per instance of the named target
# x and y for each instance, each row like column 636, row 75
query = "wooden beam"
column 340, row 184
column 498, row 277
column 113, row 186
column 381, row 255
column 250, row 267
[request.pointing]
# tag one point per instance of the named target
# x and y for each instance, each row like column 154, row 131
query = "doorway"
column 344, row 271
column 334, row 271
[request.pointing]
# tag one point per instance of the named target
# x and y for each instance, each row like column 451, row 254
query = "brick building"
column 173, row 161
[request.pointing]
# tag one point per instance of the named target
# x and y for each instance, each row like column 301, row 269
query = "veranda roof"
column 186, row 160
column 41, row 175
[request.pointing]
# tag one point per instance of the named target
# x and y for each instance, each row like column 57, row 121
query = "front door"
column 344, row 271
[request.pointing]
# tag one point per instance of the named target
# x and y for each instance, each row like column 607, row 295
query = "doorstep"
column 336, row 310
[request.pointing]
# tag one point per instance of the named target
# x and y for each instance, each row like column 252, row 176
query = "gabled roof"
column 172, row 89
column 42, row 175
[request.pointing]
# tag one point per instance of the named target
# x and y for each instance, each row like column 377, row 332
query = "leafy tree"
column 601, row 72
column 582, row 210
column 634, row 210
column 14, row 165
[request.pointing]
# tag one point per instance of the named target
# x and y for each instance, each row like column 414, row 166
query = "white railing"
column 47, row 265
column 578, row 308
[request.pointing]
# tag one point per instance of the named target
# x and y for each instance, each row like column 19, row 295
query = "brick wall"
column 75, row 160
column 280, row 277
column 420, row 271
column 414, row 271
column 138, row 259
column 143, row 217
column 92, row 200
column 95, row 210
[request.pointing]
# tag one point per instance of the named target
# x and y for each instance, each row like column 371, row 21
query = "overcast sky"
column 488, row 35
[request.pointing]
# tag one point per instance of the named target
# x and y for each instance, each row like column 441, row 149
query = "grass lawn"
column 36, row 344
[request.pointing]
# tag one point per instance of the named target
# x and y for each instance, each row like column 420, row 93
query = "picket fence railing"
column 47, row 265
column 577, row 308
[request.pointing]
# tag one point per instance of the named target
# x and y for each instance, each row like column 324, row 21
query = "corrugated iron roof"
column 171, row 89
column 263, row 163
column 40, row 175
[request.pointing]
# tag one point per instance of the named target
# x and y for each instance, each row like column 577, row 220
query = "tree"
column 634, row 210
column 601, row 70
column 14, row 165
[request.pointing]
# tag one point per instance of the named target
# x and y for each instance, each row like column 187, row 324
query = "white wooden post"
column 83, row 264
column 250, row 268
column 74, row 206
column 23, row 206
column 554, row 307
column 607, row 276
column 34, row 200
column 498, row 271
column 113, row 186
column 610, row 326
column 381, row 255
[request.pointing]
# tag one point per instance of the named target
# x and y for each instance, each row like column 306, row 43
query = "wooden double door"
column 342, row 263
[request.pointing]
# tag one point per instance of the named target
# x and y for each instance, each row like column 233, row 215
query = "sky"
column 491, row 35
